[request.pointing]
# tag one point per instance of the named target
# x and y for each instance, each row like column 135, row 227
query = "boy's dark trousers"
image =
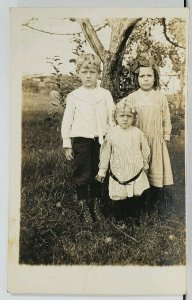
column 86, row 160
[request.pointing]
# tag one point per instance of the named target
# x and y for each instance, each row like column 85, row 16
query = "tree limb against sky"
column 126, row 34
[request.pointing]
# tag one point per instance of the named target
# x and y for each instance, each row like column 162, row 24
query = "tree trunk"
column 112, row 68
column 111, row 59
column 182, row 85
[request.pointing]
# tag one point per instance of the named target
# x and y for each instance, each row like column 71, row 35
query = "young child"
column 154, row 120
column 87, row 117
column 126, row 152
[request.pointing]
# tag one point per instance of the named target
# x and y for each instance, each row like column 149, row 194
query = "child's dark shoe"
column 85, row 213
column 121, row 225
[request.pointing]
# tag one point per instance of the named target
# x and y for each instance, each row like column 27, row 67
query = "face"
column 88, row 76
column 146, row 78
column 124, row 119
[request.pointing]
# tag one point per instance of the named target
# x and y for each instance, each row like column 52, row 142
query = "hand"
column 99, row 178
column 69, row 153
column 146, row 171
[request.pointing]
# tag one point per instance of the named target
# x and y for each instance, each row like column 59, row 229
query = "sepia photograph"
column 98, row 106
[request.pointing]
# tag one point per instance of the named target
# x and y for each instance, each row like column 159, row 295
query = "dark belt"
column 124, row 182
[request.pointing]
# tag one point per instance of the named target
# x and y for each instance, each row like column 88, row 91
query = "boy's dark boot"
column 96, row 209
column 85, row 212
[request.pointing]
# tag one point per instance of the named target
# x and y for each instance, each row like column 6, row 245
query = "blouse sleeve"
column 145, row 151
column 67, row 122
column 105, row 154
column 166, row 120
column 110, row 106
column 128, row 99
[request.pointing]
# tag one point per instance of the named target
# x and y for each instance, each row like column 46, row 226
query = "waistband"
column 125, row 182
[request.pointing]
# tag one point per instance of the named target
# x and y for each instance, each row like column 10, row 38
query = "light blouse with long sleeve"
column 153, row 113
column 153, row 118
column 126, row 152
column 88, row 114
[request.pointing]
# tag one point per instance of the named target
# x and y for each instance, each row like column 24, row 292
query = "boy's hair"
column 122, row 106
column 89, row 60
column 146, row 63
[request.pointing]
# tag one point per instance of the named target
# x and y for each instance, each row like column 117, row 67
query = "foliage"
column 144, row 43
column 30, row 85
column 63, row 84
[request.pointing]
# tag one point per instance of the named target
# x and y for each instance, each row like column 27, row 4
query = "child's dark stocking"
column 82, row 195
column 85, row 212
column 119, row 210
column 153, row 197
column 133, row 209
column 95, row 204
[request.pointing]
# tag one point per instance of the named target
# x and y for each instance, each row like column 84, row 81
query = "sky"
column 38, row 46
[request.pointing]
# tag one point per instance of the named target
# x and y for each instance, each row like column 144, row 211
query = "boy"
column 87, row 117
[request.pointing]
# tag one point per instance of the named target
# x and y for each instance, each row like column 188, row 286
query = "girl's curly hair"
column 123, row 105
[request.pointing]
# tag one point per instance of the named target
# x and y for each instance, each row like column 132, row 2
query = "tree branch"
column 27, row 24
column 167, row 37
column 122, row 30
column 92, row 37
column 119, row 29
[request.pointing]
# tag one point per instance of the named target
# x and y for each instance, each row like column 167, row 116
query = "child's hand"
column 99, row 178
column 68, row 153
column 146, row 171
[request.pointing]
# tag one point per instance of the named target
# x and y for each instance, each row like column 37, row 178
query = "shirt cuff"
column 166, row 137
column 67, row 143
column 102, row 173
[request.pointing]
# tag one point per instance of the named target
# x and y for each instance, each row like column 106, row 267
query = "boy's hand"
column 68, row 153
column 99, row 178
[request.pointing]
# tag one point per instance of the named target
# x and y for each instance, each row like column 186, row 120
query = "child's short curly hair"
column 122, row 106
column 89, row 60
column 146, row 63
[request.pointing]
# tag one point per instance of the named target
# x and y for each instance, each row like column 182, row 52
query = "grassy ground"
column 51, row 231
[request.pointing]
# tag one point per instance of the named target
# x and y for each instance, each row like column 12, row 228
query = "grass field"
column 51, row 231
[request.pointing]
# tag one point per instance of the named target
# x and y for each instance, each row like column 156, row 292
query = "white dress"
column 154, row 120
column 126, row 152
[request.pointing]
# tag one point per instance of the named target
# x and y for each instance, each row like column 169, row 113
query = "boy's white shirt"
column 88, row 114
